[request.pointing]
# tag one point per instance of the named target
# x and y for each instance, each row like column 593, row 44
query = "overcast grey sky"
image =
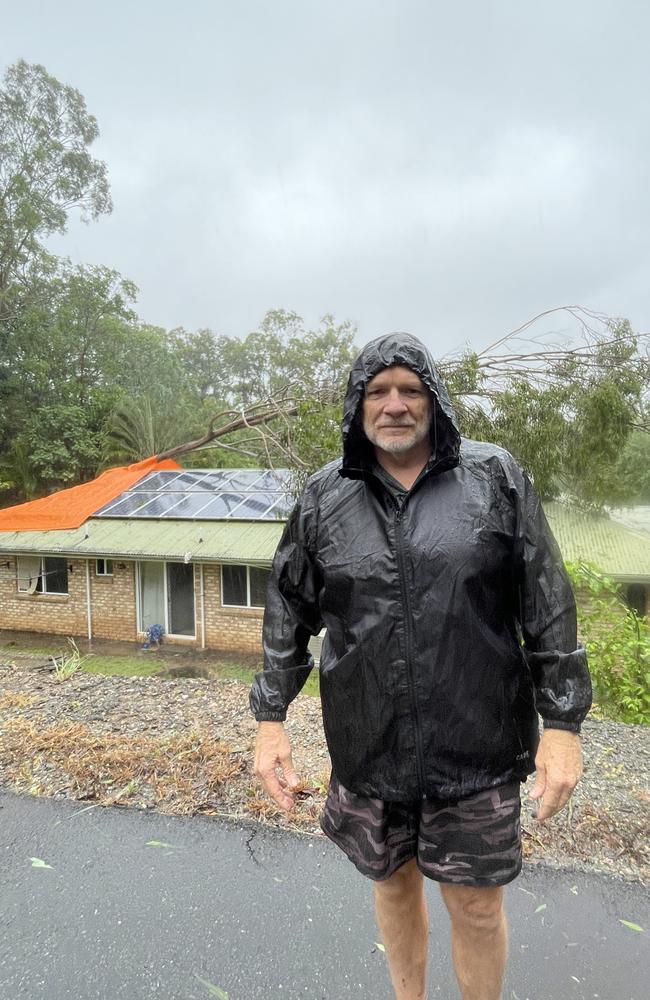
column 449, row 169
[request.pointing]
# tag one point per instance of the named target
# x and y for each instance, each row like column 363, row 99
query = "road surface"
column 137, row 906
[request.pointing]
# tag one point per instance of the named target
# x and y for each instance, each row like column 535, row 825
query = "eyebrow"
column 403, row 385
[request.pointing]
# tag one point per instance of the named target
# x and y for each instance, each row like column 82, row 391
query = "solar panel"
column 206, row 494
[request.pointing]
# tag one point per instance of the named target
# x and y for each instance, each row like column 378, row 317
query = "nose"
column 395, row 405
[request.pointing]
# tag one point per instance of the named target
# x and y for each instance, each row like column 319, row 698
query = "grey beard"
column 397, row 447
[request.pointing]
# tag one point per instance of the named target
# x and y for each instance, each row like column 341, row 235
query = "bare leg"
column 404, row 925
column 479, row 939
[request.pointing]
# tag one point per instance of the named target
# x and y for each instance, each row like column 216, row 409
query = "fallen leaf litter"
column 185, row 746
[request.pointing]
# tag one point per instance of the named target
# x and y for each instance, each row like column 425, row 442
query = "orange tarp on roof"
column 70, row 508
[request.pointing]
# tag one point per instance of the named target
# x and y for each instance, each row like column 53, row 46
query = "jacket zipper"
column 419, row 756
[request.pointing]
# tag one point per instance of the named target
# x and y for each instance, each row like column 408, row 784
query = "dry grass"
column 16, row 699
column 179, row 774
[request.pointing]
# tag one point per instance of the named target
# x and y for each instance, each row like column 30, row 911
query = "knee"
column 476, row 910
column 405, row 883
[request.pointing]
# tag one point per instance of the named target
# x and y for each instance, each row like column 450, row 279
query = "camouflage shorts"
column 469, row 841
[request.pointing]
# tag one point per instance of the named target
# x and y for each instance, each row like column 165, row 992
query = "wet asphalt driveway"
column 139, row 905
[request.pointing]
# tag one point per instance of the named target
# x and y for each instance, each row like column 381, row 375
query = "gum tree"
column 46, row 168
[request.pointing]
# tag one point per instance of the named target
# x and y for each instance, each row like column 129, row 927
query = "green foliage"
column 633, row 468
column 618, row 646
column 18, row 477
column 567, row 415
column 45, row 166
column 140, row 427
column 70, row 663
column 280, row 353
column 66, row 358
column 463, row 377
column 316, row 437
column 64, row 445
column 528, row 421
column 233, row 373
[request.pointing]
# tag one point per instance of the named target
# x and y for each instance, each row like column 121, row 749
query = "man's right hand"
column 272, row 750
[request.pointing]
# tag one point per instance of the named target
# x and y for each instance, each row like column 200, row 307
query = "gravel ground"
column 50, row 731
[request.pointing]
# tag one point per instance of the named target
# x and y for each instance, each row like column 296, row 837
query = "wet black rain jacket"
column 450, row 619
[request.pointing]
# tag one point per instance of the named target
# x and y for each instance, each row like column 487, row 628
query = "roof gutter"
column 107, row 553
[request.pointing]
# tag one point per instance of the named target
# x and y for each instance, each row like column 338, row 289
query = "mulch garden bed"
column 184, row 746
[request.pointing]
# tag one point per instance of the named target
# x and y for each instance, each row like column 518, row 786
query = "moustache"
column 381, row 427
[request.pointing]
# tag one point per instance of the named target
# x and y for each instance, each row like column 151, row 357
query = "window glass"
column 152, row 595
column 180, row 598
column 104, row 567
column 234, row 585
column 635, row 598
column 55, row 576
column 259, row 579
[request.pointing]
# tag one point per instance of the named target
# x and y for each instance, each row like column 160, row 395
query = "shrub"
column 618, row 646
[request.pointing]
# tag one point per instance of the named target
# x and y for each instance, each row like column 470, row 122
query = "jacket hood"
column 384, row 352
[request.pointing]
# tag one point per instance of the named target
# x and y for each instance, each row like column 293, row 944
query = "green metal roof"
column 206, row 541
column 637, row 518
column 595, row 538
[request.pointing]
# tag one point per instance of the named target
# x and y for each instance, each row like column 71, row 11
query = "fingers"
column 555, row 799
column 274, row 766
column 290, row 774
column 273, row 785
column 554, row 794
column 539, row 787
column 559, row 768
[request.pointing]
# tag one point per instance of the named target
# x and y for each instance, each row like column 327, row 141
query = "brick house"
column 191, row 550
column 187, row 549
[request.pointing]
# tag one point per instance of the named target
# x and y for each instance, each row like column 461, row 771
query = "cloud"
column 448, row 170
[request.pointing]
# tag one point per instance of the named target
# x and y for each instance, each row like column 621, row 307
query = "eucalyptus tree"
column 46, row 168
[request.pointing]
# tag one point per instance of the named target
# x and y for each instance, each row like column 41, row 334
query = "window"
column 103, row 567
column 244, row 586
column 635, row 598
column 42, row 575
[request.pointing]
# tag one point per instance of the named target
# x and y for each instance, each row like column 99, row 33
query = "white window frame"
column 105, row 573
column 165, row 624
column 255, row 607
column 42, row 575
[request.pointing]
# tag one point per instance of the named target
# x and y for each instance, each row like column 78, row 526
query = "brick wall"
column 63, row 614
column 113, row 602
column 113, row 607
column 237, row 630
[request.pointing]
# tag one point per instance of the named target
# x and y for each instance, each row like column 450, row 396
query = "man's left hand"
column 559, row 769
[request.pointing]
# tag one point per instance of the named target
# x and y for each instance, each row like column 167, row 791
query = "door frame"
column 138, row 608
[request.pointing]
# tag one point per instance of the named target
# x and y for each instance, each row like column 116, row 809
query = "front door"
column 167, row 597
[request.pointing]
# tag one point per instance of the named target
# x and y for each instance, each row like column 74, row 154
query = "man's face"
column 396, row 410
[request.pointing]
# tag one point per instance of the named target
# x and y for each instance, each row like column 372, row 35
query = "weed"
column 70, row 663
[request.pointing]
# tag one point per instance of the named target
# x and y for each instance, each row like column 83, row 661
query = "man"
column 450, row 625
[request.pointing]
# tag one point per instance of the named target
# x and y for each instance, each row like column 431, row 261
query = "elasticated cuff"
column 572, row 727
column 270, row 716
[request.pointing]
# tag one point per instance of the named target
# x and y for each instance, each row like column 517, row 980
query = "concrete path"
column 137, row 906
